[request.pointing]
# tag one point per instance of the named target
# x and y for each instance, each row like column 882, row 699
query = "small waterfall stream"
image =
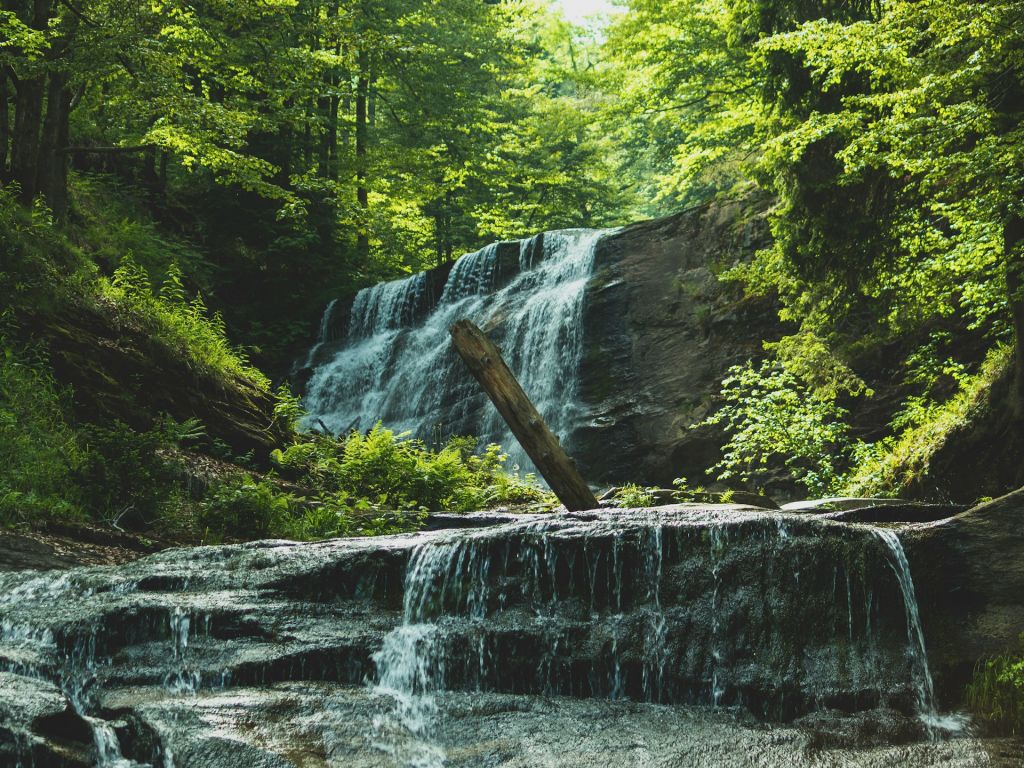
column 387, row 646
column 926, row 704
column 395, row 363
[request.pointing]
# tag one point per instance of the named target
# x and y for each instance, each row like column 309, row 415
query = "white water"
column 80, row 661
column 926, row 708
column 410, row 665
column 402, row 371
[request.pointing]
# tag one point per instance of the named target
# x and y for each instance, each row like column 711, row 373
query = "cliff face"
column 661, row 330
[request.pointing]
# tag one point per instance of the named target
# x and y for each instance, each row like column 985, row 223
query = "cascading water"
column 396, row 364
column 192, row 653
column 79, row 660
column 926, row 707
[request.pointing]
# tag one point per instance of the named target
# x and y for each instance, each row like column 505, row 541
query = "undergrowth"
column 777, row 420
column 996, row 693
column 52, row 468
column 185, row 325
column 890, row 466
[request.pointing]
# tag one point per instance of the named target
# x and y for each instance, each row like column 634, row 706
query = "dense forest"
column 185, row 185
column 219, row 171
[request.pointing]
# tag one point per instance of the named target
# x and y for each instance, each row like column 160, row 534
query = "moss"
column 898, row 464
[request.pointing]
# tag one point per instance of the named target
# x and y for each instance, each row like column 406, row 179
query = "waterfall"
column 927, row 710
column 411, row 662
column 324, row 334
column 396, row 365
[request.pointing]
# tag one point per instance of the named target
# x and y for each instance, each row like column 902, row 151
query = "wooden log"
column 486, row 364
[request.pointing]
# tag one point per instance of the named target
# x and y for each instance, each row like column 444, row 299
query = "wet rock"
column 440, row 521
column 872, row 510
column 836, row 504
column 901, row 512
column 37, row 723
column 661, row 330
column 327, row 725
column 970, row 569
column 271, row 645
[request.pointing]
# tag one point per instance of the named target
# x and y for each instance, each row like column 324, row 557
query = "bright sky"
column 578, row 10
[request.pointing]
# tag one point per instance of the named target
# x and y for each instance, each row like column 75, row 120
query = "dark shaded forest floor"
column 58, row 546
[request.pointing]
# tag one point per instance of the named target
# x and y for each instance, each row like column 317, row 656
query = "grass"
column 996, row 693
column 893, row 465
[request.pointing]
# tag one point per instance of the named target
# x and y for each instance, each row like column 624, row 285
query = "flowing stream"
column 394, row 362
column 532, row 640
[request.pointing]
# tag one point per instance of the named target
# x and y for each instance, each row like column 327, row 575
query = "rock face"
column 971, row 571
column 412, row 650
column 661, row 331
column 620, row 338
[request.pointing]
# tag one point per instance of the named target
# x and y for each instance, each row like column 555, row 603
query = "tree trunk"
column 362, row 194
column 52, row 175
column 485, row 363
column 5, row 128
column 28, row 113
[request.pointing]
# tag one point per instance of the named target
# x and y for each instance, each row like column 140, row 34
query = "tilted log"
column 484, row 361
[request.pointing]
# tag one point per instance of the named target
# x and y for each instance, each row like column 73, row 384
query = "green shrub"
column 243, row 508
column 634, row 496
column 770, row 416
column 125, row 476
column 891, row 465
column 996, row 693
column 399, row 473
column 39, row 452
column 112, row 220
column 184, row 326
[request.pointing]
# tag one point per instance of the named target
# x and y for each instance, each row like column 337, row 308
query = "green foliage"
column 684, row 493
column 894, row 464
column 112, row 221
column 288, row 410
column 185, row 326
column 399, row 473
column 360, row 485
column 51, row 468
column 39, row 452
column 634, row 496
column 884, row 132
column 995, row 695
column 244, row 508
column 126, row 475
column 771, row 416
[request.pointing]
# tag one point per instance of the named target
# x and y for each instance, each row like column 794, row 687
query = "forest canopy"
column 273, row 154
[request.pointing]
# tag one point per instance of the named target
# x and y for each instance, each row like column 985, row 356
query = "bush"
column 393, row 471
column 243, row 508
column 128, row 477
column 896, row 463
column 634, row 496
column 39, row 452
column 996, row 694
column 183, row 325
column 770, row 415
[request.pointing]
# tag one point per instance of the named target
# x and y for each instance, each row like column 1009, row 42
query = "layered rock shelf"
column 281, row 649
